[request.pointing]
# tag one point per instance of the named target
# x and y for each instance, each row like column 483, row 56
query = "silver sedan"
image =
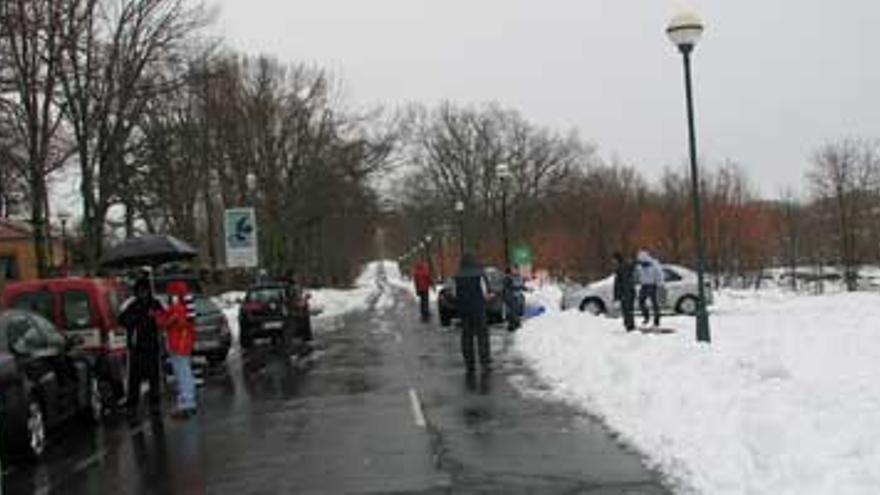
column 680, row 294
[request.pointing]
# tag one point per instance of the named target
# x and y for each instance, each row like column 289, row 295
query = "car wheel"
column 687, row 305
column 593, row 306
column 36, row 429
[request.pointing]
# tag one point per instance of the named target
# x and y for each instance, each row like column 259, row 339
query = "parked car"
column 447, row 302
column 85, row 308
column 680, row 294
column 275, row 310
column 213, row 338
column 44, row 383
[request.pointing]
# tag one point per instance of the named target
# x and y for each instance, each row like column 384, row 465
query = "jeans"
column 424, row 305
column 626, row 307
column 186, row 383
column 649, row 292
column 474, row 328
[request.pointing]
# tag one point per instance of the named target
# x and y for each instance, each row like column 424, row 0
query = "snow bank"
column 786, row 399
column 336, row 302
column 546, row 295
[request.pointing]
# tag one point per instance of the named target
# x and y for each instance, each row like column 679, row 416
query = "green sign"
column 521, row 255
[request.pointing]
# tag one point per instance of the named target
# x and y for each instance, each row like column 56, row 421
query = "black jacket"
column 470, row 292
column 624, row 282
column 142, row 331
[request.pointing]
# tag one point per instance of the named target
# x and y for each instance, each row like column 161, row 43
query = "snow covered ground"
column 786, row 399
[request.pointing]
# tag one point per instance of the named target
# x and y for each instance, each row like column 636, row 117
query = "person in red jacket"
column 178, row 322
column 422, row 280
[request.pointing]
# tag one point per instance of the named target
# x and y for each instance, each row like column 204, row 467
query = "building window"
column 9, row 267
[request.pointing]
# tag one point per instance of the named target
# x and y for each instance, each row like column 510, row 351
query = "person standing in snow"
column 179, row 323
column 471, row 291
column 650, row 275
column 625, row 290
column 422, row 281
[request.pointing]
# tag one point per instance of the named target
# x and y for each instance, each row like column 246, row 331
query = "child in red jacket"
column 178, row 321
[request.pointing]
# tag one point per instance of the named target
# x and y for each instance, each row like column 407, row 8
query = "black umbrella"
column 149, row 250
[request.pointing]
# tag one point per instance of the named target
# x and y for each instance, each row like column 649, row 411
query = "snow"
column 785, row 400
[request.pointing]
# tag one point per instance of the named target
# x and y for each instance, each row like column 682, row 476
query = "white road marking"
column 416, row 404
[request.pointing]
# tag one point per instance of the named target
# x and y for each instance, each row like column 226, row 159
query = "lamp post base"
column 703, row 326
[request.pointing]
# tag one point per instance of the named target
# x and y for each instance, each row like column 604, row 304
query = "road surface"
column 383, row 407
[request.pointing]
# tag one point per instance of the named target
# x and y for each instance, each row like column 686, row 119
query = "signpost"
column 241, row 238
column 522, row 259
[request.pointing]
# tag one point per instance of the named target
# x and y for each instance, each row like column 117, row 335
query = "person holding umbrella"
column 139, row 315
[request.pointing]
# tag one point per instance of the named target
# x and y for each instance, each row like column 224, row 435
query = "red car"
column 86, row 308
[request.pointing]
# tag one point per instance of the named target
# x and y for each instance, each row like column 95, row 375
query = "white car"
column 680, row 294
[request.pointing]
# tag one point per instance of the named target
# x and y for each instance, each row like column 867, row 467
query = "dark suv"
column 275, row 310
column 447, row 302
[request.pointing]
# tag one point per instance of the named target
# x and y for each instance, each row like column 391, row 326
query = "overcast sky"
column 774, row 79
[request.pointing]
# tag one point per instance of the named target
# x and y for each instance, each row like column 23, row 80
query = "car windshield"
column 204, row 305
column 265, row 295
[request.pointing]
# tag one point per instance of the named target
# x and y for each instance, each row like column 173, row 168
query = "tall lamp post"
column 429, row 255
column 459, row 211
column 685, row 30
column 64, row 216
column 503, row 172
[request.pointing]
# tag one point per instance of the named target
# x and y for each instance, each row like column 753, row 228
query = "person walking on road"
column 422, row 280
column 471, row 291
column 138, row 315
column 178, row 322
column 650, row 274
column 625, row 290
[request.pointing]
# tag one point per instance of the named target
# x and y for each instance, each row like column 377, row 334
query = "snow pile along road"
column 786, row 399
column 337, row 302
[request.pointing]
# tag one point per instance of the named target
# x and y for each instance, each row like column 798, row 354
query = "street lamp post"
column 64, row 216
column 503, row 171
column 685, row 30
column 459, row 210
column 427, row 249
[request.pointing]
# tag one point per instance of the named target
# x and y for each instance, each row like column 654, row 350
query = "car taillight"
column 252, row 306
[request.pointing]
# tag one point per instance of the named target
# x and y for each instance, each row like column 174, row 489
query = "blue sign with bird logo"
column 241, row 238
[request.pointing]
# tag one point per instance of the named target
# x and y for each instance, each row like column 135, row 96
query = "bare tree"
column 792, row 217
column 844, row 181
column 113, row 68
column 31, row 44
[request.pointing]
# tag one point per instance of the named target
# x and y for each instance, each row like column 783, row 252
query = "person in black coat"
column 513, row 299
column 471, row 291
column 625, row 289
column 138, row 316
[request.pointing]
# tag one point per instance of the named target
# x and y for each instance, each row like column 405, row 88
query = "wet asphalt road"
column 381, row 408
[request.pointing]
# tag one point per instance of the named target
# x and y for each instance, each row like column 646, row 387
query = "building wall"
column 22, row 250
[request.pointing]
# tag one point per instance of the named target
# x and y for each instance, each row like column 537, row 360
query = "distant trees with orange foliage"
column 575, row 210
